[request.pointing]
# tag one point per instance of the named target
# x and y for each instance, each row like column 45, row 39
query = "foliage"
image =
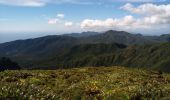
column 104, row 49
column 107, row 83
column 151, row 56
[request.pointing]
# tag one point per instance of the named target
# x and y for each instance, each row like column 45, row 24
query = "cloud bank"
column 152, row 15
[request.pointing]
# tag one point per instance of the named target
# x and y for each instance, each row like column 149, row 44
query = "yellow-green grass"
column 108, row 83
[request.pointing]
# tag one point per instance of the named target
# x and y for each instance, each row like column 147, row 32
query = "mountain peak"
column 119, row 32
column 111, row 31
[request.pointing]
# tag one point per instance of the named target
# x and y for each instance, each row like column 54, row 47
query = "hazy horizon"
column 23, row 19
column 8, row 37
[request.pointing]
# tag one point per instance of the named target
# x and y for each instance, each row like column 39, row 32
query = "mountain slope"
column 120, row 37
column 149, row 56
column 104, row 49
column 39, row 47
column 84, row 55
column 44, row 45
column 152, row 56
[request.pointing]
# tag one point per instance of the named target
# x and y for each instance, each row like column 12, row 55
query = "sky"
column 20, row 19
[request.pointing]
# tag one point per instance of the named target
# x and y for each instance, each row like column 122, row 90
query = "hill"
column 152, row 56
column 39, row 48
column 47, row 44
column 83, row 55
column 120, row 37
column 104, row 49
column 107, row 83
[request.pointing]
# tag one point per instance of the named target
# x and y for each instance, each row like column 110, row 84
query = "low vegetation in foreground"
column 108, row 83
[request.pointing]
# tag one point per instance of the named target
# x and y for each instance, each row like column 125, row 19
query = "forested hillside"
column 92, row 49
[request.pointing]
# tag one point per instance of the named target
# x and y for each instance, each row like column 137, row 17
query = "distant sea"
column 7, row 37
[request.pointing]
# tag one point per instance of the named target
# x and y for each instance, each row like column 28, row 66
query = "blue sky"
column 45, row 17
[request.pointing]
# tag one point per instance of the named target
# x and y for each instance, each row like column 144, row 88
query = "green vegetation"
column 151, row 56
column 112, row 48
column 109, row 83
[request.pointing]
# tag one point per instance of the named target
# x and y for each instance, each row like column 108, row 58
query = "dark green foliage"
column 153, row 56
column 86, row 55
column 163, row 65
column 7, row 64
column 147, row 56
column 120, row 37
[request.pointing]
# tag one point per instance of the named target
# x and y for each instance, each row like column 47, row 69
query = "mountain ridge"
column 53, row 51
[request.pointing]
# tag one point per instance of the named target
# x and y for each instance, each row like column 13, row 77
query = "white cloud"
column 152, row 16
column 53, row 21
column 60, row 16
column 68, row 24
column 32, row 3
column 60, row 20
column 56, row 19
column 147, row 9
column 108, row 23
